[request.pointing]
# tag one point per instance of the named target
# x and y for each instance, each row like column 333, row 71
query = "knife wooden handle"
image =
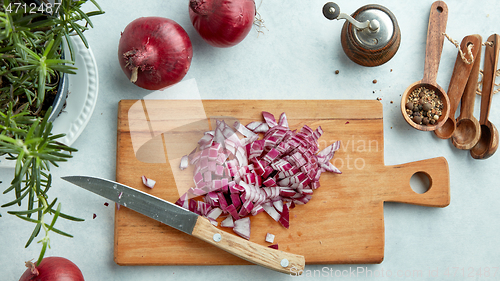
column 273, row 259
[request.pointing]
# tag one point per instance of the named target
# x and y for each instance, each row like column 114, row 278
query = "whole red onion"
column 154, row 52
column 222, row 23
column 52, row 269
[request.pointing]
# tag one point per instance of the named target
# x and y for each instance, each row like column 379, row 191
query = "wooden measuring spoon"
column 488, row 142
column 438, row 18
column 468, row 130
column 461, row 73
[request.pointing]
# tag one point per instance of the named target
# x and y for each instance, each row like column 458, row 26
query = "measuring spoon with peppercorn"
column 458, row 81
column 488, row 142
column 411, row 107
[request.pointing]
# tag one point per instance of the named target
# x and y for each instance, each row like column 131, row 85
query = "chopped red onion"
column 285, row 217
column 246, row 209
column 232, row 211
column 228, row 222
column 148, row 182
column 235, row 198
column 211, row 198
column 253, row 125
column 245, row 176
column 183, row 201
column 203, row 208
column 242, row 227
column 244, row 130
column 274, row 246
column 222, row 201
column 278, row 205
column 271, row 122
column 262, row 128
column 270, row 238
column 206, row 139
column 330, row 168
column 271, row 211
column 193, row 206
column 283, row 122
column 327, row 154
column 214, row 213
column 257, row 209
column 269, row 182
column 184, row 162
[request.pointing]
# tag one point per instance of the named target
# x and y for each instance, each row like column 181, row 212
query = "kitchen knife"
column 190, row 223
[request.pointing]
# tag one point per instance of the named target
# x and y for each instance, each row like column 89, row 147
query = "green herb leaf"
column 34, row 234
column 26, row 212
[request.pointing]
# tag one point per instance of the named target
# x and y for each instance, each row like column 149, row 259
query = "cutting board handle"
column 398, row 187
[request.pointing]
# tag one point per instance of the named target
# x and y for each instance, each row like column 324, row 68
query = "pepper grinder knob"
column 370, row 36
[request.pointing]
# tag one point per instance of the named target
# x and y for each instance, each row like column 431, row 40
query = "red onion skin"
column 222, row 23
column 159, row 48
column 53, row 269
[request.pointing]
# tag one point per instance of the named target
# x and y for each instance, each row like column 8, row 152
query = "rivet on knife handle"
column 261, row 255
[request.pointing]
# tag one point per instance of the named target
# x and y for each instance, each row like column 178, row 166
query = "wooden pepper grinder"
column 370, row 37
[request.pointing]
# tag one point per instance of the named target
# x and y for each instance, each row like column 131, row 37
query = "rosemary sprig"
column 31, row 50
column 31, row 61
column 34, row 149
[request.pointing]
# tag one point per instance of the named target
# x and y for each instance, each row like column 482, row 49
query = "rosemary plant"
column 31, row 39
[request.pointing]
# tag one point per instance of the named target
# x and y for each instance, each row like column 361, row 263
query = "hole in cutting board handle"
column 420, row 182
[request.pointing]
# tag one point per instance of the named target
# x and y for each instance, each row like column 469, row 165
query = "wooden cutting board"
column 344, row 221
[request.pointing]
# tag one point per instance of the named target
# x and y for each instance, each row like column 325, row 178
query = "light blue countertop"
column 295, row 58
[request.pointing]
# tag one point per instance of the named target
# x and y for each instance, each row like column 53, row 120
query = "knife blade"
column 190, row 223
